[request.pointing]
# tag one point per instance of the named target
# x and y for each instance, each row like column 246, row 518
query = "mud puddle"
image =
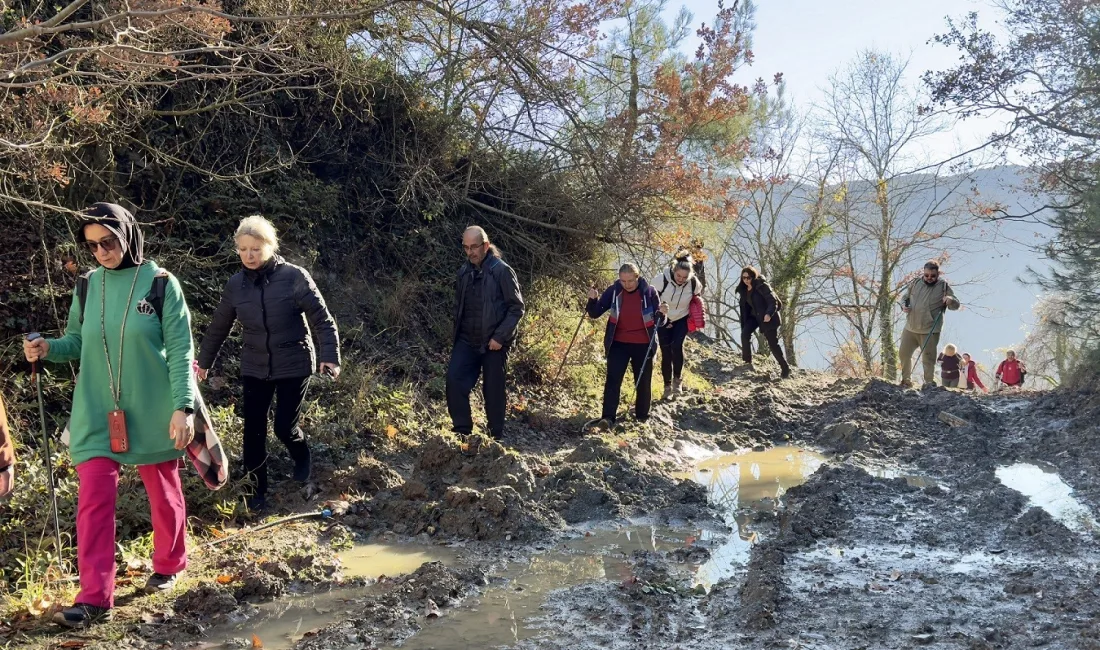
column 745, row 487
column 1045, row 488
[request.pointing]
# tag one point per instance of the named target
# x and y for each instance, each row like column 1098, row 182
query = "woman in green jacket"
column 132, row 406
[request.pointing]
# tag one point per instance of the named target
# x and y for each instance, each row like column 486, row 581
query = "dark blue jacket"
column 502, row 303
column 612, row 301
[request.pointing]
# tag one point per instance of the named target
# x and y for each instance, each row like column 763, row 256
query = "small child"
column 950, row 363
column 972, row 379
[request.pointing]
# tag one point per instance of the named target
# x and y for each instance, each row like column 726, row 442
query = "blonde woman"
column 951, row 364
column 274, row 301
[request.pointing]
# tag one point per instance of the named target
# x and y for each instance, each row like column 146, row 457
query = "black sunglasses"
column 108, row 244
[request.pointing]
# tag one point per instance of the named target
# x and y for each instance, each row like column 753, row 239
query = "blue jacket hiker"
column 629, row 338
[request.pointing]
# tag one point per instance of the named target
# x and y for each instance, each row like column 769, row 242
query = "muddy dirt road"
column 809, row 513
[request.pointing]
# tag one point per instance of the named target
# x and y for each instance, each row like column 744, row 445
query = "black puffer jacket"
column 757, row 303
column 502, row 302
column 273, row 305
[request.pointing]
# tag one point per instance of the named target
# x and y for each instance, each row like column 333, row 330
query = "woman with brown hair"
column 759, row 310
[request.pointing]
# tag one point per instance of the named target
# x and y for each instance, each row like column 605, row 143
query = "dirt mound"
column 368, row 476
column 601, row 481
column 478, row 463
column 206, row 603
column 1037, row 528
column 399, row 613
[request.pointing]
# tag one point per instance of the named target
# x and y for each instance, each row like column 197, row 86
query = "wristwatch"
column 188, row 410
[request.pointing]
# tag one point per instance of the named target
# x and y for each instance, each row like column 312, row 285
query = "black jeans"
column 618, row 357
column 467, row 364
column 672, row 349
column 289, row 394
column 748, row 327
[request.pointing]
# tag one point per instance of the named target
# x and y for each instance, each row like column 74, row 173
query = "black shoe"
column 81, row 616
column 256, row 503
column 302, row 469
column 159, row 583
column 928, row 384
column 786, row 373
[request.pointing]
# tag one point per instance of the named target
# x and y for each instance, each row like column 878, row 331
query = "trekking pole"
column 928, row 338
column 36, row 377
column 584, row 313
column 645, row 360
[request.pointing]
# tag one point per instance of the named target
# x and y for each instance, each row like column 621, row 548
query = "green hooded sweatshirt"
column 156, row 359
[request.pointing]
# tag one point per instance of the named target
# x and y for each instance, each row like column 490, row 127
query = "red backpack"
column 697, row 314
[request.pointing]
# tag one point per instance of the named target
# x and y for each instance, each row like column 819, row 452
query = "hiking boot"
column 81, row 616
column 256, row 503
column 302, row 469
column 667, row 395
column 159, row 583
column 905, row 383
column 678, row 386
column 785, row 373
column 927, row 385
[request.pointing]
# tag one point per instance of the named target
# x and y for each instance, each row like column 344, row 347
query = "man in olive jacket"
column 488, row 308
column 928, row 297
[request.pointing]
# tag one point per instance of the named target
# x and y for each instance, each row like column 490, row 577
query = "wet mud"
column 813, row 512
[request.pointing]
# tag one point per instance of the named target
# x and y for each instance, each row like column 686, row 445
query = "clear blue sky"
column 807, row 40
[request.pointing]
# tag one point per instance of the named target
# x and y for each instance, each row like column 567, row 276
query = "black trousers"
column 467, row 364
column 289, row 394
column 618, row 358
column 771, row 334
column 671, row 338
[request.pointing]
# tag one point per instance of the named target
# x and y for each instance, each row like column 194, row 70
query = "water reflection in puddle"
column 747, row 481
column 1047, row 490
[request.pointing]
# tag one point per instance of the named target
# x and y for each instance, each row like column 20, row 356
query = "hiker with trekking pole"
column 926, row 300
column 629, row 339
column 679, row 290
column 133, row 404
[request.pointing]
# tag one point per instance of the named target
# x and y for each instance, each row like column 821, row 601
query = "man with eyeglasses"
column 928, row 297
column 488, row 308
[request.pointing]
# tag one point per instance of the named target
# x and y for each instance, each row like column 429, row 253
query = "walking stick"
column 36, row 377
column 571, row 342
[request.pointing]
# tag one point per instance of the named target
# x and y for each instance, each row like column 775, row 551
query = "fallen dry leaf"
column 41, row 605
column 623, row 444
column 224, row 579
column 256, row 642
column 465, row 447
column 895, row 575
column 391, row 431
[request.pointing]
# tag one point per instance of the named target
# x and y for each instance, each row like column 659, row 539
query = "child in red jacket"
column 972, row 378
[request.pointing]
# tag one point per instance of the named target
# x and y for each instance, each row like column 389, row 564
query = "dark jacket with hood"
column 273, row 305
column 757, row 303
column 501, row 300
column 612, row 300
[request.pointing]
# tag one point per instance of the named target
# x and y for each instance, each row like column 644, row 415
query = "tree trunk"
column 886, row 328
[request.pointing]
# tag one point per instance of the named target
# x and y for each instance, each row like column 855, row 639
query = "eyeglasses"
column 470, row 249
column 746, row 277
column 108, row 244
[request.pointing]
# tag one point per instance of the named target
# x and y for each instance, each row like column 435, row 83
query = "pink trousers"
column 95, row 524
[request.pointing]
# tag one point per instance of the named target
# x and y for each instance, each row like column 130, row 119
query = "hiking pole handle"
column 34, row 336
